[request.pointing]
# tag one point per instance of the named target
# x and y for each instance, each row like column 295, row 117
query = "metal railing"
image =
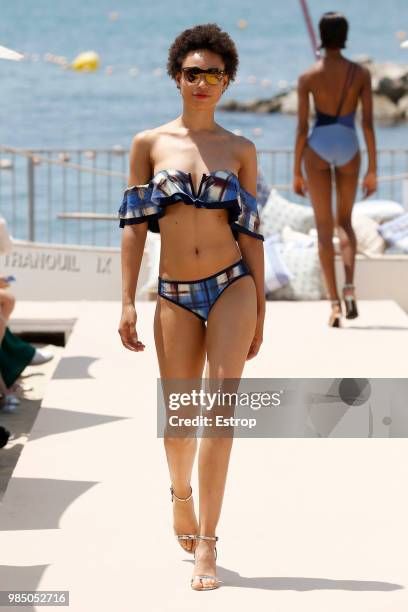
column 73, row 195
column 38, row 185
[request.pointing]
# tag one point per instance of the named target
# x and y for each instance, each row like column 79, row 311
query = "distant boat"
column 10, row 54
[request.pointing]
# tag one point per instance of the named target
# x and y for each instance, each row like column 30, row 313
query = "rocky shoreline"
column 390, row 95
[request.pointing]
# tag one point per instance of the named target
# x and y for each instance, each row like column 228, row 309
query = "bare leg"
column 3, row 389
column 319, row 183
column 7, row 303
column 180, row 345
column 230, row 330
column 346, row 187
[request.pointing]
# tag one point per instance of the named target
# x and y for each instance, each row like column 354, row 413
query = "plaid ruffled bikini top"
column 218, row 189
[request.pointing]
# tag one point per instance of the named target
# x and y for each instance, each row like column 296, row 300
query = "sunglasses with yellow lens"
column 212, row 76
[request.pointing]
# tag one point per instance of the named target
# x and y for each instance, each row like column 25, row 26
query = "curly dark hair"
column 205, row 36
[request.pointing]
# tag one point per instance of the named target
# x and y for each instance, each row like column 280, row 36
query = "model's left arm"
column 370, row 179
column 252, row 247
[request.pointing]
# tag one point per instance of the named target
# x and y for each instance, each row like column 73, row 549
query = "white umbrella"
column 9, row 54
column 404, row 44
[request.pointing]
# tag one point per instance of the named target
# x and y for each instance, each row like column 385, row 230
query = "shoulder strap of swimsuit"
column 350, row 71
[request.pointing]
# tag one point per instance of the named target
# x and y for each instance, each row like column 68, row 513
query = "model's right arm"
column 299, row 184
column 133, row 243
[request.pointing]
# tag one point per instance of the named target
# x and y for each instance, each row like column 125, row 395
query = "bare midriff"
column 195, row 242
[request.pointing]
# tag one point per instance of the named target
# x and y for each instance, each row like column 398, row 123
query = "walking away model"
column 195, row 183
column 336, row 84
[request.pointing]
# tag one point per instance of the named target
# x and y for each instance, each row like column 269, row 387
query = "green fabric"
column 15, row 355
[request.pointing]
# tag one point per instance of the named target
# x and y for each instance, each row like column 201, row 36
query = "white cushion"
column 276, row 271
column 298, row 239
column 279, row 212
column 306, row 281
column 395, row 232
column 369, row 240
column 262, row 191
column 379, row 210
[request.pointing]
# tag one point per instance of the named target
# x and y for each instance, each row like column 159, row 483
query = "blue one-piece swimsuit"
column 334, row 137
column 218, row 189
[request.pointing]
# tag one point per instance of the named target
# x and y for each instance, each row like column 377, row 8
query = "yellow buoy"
column 86, row 61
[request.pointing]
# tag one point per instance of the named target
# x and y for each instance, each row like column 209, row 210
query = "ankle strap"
column 180, row 498
column 202, row 537
column 349, row 286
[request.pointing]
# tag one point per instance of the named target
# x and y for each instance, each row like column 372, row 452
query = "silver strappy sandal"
column 350, row 301
column 188, row 536
column 202, row 576
column 335, row 315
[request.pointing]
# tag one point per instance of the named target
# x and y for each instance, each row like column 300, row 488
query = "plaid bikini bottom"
column 199, row 296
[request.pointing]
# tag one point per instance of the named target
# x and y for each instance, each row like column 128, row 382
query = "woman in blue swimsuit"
column 195, row 183
column 336, row 85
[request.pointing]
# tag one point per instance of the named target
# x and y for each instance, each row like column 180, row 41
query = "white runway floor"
column 308, row 525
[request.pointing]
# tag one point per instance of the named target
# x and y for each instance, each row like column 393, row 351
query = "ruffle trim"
column 148, row 202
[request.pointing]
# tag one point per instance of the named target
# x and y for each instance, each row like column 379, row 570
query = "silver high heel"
column 188, row 536
column 335, row 316
column 203, row 576
column 350, row 301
